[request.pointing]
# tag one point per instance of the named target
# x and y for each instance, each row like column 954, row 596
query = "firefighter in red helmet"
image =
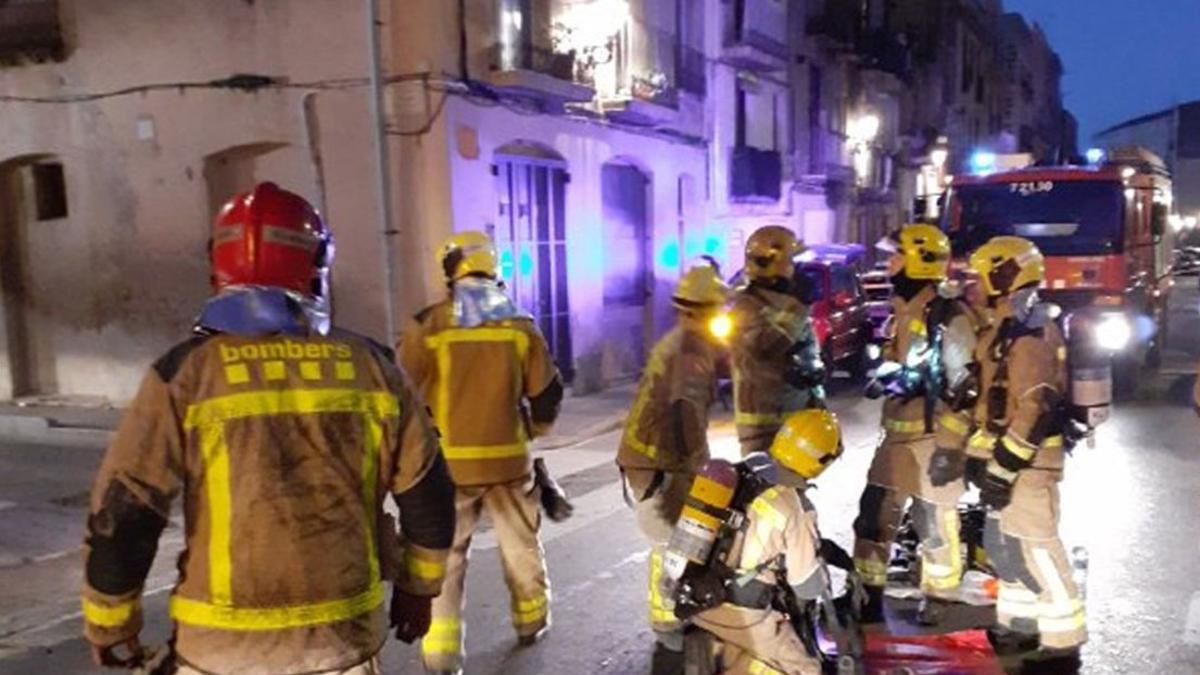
column 283, row 437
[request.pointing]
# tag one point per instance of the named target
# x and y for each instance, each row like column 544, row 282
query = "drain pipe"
column 383, row 171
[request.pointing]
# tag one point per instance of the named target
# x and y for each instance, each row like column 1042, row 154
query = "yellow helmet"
column 1007, row 264
column 467, row 253
column 700, row 288
column 770, row 251
column 808, row 442
column 926, row 251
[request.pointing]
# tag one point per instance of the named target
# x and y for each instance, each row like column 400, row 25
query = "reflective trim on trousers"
column 113, row 616
column 443, row 639
column 662, row 609
column 873, row 572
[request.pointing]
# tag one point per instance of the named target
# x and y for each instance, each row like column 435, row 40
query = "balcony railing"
column 30, row 29
column 639, row 63
column 755, row 175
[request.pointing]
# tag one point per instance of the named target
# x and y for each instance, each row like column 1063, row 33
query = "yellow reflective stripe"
column 757, row 419
column 954, row 424
column 440, row 343
column 904, row 426
column 917, row 327
column 983, row 440
column 655, row 368
column 1053, row 442
column 370, row 478
column 114, row 616
column 444, row 637
column 1001, row 472
column 1018, row 448
column 290, row 402
column 427, row 570
column 465, row 452
column 759, row 668
column 518, row 337
column 767, row 512
column 196, row 613
column 873, row 572
column 217, row 488
column 530, row 611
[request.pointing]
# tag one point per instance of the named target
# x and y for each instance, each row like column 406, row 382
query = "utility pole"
column 383, row 171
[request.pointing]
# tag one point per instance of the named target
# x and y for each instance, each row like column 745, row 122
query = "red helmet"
column 271, row 237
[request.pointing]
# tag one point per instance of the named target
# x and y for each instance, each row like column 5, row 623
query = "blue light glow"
column 983, row 162
column 1095, row 155
column 506, row 264
column 712, row 245
column 526, row 264
column 669, row 255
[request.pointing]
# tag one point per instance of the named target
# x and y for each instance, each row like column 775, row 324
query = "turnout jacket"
column 284, row 448
column 491, row 388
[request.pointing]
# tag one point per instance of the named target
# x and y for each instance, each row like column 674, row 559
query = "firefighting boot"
column 1052, row 661
column 872, row 609
column 932, row 610
column 1008, row 642
column 533, row 638
column 666, row 661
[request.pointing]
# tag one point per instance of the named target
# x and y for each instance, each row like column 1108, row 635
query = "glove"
column 946, row 466
column 975, row 470
column 553, row 497
column 108, row 656
column 409, row 615
column 996, row 491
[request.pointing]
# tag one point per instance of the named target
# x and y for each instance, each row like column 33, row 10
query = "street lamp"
column 863, row 129
column 938, row 157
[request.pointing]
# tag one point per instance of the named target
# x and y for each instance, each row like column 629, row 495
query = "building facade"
column 1174, row 135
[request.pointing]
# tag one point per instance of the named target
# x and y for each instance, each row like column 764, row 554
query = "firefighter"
column 779, row 543
column 492, row 386
column 777, row 367
column 926, row 358
column 1023, row 380
column 283, row 437
column 665, row 440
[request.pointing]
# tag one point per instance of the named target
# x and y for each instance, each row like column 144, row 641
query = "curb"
column 37, row 430
column 588, row 433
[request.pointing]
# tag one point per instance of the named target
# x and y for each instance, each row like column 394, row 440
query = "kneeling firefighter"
column 777, row 366
column 927, row 386
column 665, row 438
column 1021, row 418
column 746, row 562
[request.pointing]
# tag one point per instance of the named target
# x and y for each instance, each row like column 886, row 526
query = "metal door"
column 626, row 278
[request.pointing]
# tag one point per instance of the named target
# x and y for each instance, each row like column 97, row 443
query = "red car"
column 839, row 309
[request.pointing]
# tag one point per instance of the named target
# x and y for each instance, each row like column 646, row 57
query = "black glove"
column 946, row 466
column 996, row 491
column 975, row 470
column 410, row 615
column 553, row 497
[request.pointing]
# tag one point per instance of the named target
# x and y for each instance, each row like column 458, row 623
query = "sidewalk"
column 87, row 423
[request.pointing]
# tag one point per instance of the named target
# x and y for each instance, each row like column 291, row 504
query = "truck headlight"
column 1113, row 332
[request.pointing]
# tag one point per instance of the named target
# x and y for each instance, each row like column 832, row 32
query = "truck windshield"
column 1061, row 217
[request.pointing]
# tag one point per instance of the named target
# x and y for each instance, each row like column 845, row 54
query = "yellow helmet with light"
column 702, row 294
column 467, row 253
column 770, row 253
column 808, row 442
column 1008, row 264
column 925, row 249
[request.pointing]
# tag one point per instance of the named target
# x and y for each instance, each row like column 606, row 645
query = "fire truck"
column 1104, row 231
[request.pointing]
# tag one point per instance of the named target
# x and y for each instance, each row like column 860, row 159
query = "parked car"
column 1187, row 261
column 827, row 281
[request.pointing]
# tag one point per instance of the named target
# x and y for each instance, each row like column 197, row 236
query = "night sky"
column 1123, row 58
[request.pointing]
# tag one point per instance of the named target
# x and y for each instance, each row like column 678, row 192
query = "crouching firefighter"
column 492, row 385
column 747, row 565
column 665, row 438
column 777, row 367
column 284, row 437
column 1020, row 418
column 926, row 384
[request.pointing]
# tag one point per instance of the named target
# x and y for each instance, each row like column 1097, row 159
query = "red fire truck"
column 1104, row 231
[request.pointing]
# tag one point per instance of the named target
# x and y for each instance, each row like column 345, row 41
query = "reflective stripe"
column 983, row 440
column 209, row 417
column 662, row 609
column 115, row 616
column 1001, row 472
column 873, row 572
column 444, row 637
column 654, row 369
column 530, row 611
column 767, row 512
column 468, row 452
column 759, row 668
column 758, row 419
column 952, row 423
column 440, row 343
column 196, row 613
column 1018, row 448
column 1053, row 442
column 904, row 427
column 426, row 570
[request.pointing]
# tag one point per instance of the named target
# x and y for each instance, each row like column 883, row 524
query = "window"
column 757, row 116
column 842, row 280
column 50, row 191
column 29, row 29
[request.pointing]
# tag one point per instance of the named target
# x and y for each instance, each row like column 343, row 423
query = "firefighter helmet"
column 271, row 237
column 925, row 249
column 467, row 253
column 1008, row 264
column 808, row 442
column 770, row 253
column 700, row 289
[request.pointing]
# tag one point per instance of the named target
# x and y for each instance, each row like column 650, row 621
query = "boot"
column 1052, row 661
column 666, row 661
column 932, row 611
column 872, row 609
column 1009, row 642
column 532, row 639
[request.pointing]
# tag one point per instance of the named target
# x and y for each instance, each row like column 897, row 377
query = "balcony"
column 882, row 51
column 756, row 35
column 533, row 71
column 755, row 176
column 30, row 30
column 838, row 21
column 636, row 84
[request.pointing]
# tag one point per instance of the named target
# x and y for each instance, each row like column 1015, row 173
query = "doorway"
column 624, row 192
column 236, row 170
column 531, row 237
